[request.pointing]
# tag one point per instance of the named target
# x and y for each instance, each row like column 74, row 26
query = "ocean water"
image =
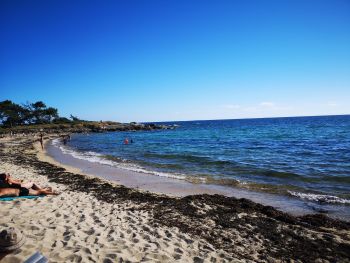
column 304, row 157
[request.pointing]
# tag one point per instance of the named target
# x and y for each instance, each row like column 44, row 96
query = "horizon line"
column 252, row 118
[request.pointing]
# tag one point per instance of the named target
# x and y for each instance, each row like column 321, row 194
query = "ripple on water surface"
column 306, row 158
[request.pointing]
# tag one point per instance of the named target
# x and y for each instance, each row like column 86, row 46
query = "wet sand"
column 95, row 220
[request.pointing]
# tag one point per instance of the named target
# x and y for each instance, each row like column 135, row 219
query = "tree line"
column 12, row 114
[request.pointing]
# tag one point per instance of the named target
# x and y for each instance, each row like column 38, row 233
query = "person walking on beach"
column 42, row 140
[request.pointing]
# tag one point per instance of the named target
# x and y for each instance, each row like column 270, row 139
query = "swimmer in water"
column 126, row 141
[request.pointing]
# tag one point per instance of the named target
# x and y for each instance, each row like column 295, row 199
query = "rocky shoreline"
column 245, row 230
column 84, row 127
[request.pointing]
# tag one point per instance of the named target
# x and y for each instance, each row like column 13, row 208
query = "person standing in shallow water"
column 66, row 138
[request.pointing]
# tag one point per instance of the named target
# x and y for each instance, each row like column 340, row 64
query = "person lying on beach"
column 14, row 192
column 6, row 181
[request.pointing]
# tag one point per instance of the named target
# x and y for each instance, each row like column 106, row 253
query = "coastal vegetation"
column 37, row 117
column 12, row 114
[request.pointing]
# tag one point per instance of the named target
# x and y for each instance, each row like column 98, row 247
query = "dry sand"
column 84, row 225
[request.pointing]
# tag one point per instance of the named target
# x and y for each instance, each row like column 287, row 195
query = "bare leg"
column 9, row 192
column 42, row 192
column 36, row 186
column 31, row 185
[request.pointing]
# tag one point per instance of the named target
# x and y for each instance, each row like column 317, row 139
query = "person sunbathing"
column 14, row 192
column 7, row 182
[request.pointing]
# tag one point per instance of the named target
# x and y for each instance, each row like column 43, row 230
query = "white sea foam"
column 122, row 164
column 320, row 198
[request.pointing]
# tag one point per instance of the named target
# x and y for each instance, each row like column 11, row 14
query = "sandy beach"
column 94, row 220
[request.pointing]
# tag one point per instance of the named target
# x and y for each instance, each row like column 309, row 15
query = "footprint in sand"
column 168, row 234
column 87, row 251
column 74, row 258
column 57, row 244
column 146, row 237
column 178, row 250
column 198, row 260
column 145, row 228
column 82, row 218
column 90, row 231
column 135, row 240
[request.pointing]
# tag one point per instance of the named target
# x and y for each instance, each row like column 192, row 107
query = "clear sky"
column 177, row 60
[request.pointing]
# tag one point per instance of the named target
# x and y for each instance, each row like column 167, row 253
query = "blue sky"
column 177, row 60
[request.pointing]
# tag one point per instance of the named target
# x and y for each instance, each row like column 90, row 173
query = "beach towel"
column 23, row 197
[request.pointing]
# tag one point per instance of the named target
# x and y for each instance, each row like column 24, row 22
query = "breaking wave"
column 114, row 162
column 320, row 198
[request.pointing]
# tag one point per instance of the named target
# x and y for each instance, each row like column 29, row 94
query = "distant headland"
column 37, row 117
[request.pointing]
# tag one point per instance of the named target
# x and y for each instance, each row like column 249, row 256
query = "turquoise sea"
column 305, row 158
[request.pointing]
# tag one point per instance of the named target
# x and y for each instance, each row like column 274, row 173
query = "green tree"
column 12, row 114
column 49, row 114
column 74, row 118
column 37, row 109
column 61, row 120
